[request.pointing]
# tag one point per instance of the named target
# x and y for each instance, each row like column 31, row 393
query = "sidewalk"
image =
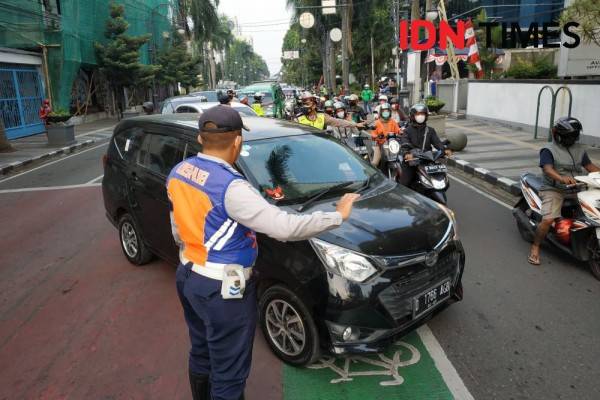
column 500, row 154
column 34, row 149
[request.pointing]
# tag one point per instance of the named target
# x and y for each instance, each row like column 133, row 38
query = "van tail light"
column 104, row 160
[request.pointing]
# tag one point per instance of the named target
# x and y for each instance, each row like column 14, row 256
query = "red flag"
column 471, row 43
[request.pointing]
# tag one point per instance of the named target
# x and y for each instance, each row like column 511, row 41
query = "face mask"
column 385, row 114
column 341, row 114
column 420, row 119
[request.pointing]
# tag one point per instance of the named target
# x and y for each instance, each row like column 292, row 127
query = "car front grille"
column 412, row 280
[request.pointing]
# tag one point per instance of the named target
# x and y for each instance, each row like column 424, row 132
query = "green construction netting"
column 70, row 29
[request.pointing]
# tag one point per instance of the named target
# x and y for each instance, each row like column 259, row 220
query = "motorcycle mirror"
column 445, row 142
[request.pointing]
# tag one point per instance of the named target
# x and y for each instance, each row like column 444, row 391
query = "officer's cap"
column 224, row 117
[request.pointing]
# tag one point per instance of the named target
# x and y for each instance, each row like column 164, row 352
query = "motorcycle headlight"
column 425, row 181
column 344, row 262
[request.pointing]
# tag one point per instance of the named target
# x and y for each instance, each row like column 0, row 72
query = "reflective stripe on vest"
column 318, row 123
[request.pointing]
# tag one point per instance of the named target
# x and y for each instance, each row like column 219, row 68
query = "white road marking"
column 52, row 162
column 44, row 188
column 95, row 179
column 451, row 378
column 481, row 192
column 110, row 128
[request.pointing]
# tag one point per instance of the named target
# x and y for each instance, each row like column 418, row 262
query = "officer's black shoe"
column 200, row 386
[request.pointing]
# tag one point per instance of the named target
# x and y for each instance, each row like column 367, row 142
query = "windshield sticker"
column 345, row 167
column 127, row 145
column 276, row 193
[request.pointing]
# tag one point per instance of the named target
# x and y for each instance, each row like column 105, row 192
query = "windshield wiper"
column 322, row 193
column 365, row 184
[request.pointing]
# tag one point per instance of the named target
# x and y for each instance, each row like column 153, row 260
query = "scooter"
column 577, row 233
column 391, row 159
column 431, row 178
column 360, row 144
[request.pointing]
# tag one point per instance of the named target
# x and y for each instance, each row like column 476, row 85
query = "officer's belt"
column 212, row 270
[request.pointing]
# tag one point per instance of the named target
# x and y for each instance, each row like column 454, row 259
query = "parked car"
column 394, row 263
column 199, row 107
column 169, row 106
column 210, row 95
column 273, row 97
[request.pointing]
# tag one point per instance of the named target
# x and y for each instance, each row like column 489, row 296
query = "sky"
column 266, row 21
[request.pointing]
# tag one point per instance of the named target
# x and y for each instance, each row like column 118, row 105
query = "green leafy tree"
column 177, row 65
column 119, row 56
column 243, row 65
column 587, row 14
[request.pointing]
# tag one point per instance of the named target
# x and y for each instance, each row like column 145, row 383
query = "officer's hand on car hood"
column 344, row 206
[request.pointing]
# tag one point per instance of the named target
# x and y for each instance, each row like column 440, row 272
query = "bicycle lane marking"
column 416, row 367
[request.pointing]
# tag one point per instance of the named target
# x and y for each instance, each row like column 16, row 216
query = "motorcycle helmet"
column 340, row 109
column 244, row 99
column 566, row 131
column 223, row 97
column 366, row 86
column 418, row 108
column 148, row 107
column 383, row 97
column 353, row 97
column 258, row 96
column 385, row 111
column 329, row 107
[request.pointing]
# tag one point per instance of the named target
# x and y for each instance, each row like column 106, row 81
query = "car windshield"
column 295, row 168
column 210, row 95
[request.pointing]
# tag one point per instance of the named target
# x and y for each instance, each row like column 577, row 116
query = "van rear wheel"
column 594, row 261
column 132, row 243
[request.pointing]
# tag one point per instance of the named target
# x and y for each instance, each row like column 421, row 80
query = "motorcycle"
column 431, row 179
column 390, row 156
column 577, row 232
column 360, row 144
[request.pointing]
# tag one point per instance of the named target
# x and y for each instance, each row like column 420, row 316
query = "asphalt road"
column 78, row 321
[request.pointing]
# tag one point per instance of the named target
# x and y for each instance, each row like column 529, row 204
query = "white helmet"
column 353, row 97
column 383, row 97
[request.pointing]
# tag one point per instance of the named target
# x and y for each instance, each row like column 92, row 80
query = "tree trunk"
column 332, row 62
column 325, row 60
column 5, row 146
column 346, row 38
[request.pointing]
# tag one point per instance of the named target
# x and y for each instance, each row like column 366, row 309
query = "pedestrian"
column 45, row 110
column 366, row 96
column 215, row 215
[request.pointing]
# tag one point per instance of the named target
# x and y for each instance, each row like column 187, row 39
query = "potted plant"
column 60, row 132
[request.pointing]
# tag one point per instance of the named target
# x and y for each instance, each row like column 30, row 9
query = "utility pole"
column 372, row 64
column 346, row 9
column 396, row 5
column 416, row 95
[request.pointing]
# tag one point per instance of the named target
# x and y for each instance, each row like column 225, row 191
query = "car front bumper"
column 373, row 322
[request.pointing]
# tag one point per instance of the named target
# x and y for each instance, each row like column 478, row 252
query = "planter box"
column 437, row 122
column 60, row 135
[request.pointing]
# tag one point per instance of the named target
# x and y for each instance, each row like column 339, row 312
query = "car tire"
column 132, row 242
column 282, row 316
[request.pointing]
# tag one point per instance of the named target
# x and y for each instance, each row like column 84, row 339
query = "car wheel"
column 594, row 261
column 288, row 326
column 131, row 242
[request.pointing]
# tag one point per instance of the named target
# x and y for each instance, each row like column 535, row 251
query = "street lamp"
column 433, row 13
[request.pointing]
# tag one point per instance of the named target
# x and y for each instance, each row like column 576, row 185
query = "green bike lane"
column 414, row 367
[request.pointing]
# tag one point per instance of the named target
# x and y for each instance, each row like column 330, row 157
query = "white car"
column 199, row 107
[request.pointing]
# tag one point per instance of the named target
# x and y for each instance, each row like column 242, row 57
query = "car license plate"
column 433, row 296
column 434, row 169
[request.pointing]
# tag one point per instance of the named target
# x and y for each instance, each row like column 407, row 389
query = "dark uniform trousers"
column 221, row 331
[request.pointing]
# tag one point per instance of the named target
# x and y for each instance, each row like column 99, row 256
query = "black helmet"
column 223, row 97
column 418, row 108
column 566, row 131
column 394, row 100
column 148, row 107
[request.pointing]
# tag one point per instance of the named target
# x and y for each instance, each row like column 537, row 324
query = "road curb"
column 502, row 182
column 46, row 156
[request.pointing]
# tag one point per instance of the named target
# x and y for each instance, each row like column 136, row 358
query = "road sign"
column 328, row 6
column 307, row 20
column 291, row 55
column 335, row 34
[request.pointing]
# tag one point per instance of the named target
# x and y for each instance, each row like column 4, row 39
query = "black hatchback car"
column 395, row 262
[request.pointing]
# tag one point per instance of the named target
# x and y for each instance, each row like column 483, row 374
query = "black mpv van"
column 386, row 270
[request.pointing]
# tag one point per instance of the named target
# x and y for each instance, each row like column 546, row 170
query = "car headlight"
column 344, row 262
column 452, row 217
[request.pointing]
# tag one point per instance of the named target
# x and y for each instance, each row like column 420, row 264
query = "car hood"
column 389, row 222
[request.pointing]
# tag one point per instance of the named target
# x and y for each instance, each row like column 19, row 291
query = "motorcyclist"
column 342, row 132
column 382, row 99
column 257, row 106
column 244, row 100
column 148, row 108
column 561, row 161
column 356, row 112
column 418, row 135
column 311, row 117
column 397, row 113
column 225, row 97
column 328, row 108
column 383, row 127
column 366, row 96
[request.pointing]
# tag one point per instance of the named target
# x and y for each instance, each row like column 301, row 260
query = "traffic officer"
column 257, row 106
column 215, row 214
column 312, row 117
